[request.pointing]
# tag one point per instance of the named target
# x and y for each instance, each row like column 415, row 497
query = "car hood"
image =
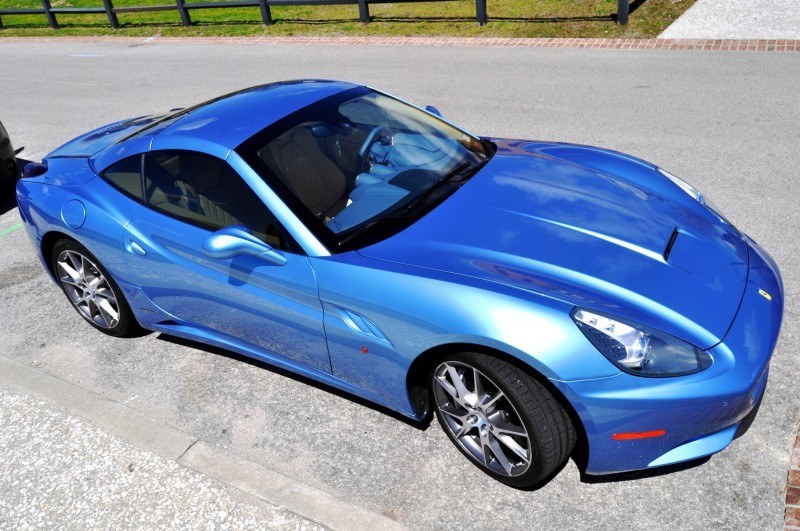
column 591, row 228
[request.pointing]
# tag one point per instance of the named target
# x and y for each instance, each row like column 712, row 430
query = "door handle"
column 134, row 248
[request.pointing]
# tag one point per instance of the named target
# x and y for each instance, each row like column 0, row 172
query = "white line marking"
column 86, row 55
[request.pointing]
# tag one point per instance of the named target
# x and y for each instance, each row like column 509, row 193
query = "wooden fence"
column 183, row 8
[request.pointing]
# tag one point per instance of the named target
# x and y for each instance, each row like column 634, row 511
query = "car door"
column 270, row 306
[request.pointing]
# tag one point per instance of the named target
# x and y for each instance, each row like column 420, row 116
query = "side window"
column 126, row 175
column 206, row 191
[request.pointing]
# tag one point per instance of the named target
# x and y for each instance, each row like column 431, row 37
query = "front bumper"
column 700, row 412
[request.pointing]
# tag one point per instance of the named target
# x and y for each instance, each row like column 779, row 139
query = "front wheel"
column 501, row 418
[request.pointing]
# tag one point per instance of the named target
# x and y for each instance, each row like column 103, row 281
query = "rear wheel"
column 501, row 418
column 91, row 290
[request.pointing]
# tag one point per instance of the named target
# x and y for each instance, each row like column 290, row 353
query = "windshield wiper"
column 450, row 177
column 357, row 232
column 456, row 175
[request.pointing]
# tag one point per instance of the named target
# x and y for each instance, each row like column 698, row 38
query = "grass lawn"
column 507, row 18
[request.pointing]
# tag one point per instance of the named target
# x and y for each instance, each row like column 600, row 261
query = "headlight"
column 695, row 194
column 638, row 349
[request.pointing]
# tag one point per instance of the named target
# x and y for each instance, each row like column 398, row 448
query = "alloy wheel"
column 481, row 419
column 88, row 289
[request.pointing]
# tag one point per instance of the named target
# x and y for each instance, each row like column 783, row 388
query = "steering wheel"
column 377, row 134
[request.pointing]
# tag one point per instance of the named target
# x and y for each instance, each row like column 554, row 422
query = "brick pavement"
column 749, row 45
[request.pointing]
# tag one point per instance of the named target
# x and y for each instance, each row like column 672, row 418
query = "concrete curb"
column 792, row 511
column 308, row 502
column 235, row 471
column 129, row 424
column 741, row 45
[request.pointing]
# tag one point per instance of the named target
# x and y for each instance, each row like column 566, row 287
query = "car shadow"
column 642, row 474
column 421, row 424
column 579, row 455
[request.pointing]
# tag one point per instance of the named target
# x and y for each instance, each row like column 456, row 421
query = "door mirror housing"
column 433, row 110
column 236, row 240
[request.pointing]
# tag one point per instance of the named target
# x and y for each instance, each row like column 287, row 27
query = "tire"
column 512, row 414
column 91, row 290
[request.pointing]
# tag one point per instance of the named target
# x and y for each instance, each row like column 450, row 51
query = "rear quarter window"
column 126, row 176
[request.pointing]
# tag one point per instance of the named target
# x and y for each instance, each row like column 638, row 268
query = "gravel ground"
column 58, row 470
column 737, row 19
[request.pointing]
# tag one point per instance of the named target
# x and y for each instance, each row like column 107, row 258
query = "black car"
column 8, row 159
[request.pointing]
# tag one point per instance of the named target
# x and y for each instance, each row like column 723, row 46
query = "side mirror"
column 34, row 169
column 433, row 110
column 234, row 241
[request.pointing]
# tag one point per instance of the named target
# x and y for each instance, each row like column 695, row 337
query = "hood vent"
column 670, row 243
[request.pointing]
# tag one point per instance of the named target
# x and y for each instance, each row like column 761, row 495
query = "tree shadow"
column 636, row 4
column 633, row 6
column 395, row 20
column 535, row 20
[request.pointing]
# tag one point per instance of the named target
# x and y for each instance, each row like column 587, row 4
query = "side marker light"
column 638, row 435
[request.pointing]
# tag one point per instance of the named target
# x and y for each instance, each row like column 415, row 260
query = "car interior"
column 346, row 173
column 206, row 191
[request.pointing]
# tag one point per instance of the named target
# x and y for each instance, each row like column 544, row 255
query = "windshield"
column 348, row 161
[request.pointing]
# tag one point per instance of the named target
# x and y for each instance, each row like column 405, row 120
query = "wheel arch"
column 47, row 246
column 49, row 240
column 420, row 368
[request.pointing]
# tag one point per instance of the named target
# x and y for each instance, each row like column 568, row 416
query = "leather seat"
column 161, row 189
column 313, row 177
column 175, row 187
column 201, row 178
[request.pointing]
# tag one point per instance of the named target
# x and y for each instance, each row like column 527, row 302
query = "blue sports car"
column 536, row 296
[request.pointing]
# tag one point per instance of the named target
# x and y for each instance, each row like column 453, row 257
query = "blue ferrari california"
column 536, row 296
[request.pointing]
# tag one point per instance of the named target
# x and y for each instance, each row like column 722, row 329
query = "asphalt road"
column 727, row 122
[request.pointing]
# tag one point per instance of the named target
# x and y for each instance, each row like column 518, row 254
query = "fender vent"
column 360, row 324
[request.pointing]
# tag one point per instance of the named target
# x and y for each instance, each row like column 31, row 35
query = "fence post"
column 1, row 22
column 480, row 12
column 363, row 11
column 51, row 17
column 185, row 18
column 112, row 17
column 623, row 7
column 266, row 15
